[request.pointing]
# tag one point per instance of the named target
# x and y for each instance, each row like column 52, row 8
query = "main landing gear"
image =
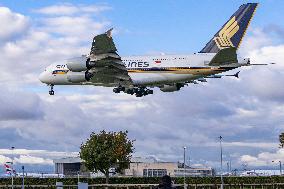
column 139, row 91
column 119, row 89
column 51, row 92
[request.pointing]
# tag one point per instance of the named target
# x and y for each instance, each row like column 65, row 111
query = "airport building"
column 150, row 167
column 139, row 167
column 69, row 166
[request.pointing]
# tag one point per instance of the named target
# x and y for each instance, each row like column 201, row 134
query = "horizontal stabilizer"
column 234, row 75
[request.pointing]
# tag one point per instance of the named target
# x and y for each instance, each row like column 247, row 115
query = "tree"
column 104, row 150
column 281, row 140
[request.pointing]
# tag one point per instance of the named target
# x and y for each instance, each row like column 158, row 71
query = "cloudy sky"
column 248, row 112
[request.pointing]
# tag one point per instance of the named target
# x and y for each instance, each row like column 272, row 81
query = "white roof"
column 68, row 160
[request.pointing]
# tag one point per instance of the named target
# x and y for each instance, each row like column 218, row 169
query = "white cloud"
column 37, row 153
column 79, row 26
column 69, row 9
column 257, row 40
column 27, row 159
column 263, row 158
column 47, row 40
column 261, row 145
column 4, row 159
column 13, row 108
column 32, row 157
column 11, row 24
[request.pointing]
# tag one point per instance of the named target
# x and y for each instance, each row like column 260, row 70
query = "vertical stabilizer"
column 232, row 33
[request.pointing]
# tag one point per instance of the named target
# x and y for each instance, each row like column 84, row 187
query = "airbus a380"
column 137, row 74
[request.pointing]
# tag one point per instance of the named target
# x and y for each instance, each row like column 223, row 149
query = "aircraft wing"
column 106, row 64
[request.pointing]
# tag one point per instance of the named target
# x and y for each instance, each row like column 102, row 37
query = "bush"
column 145, row 180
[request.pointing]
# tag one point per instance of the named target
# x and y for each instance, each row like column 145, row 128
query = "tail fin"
column 232, row 33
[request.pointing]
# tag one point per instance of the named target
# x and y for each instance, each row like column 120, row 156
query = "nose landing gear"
column 51, row 92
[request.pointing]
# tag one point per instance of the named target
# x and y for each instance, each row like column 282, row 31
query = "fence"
column 153, row 186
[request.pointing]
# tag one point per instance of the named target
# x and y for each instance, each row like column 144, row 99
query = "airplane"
column 137, row 75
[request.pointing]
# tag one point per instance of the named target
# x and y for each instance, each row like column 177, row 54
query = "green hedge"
column 146, row 180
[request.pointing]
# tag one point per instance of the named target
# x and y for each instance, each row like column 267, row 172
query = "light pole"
column 12, row 174
column 23, row 182
column 221, row 161
column 188, row 160
column 184, row 148
column 228, row 167
column 78, row 176
column 280, row 167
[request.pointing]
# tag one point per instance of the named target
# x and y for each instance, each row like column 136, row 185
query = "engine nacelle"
column 171, row 88
column 79, row 64
column 78, row 77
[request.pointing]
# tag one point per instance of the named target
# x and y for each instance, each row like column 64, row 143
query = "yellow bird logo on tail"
column 226, row 33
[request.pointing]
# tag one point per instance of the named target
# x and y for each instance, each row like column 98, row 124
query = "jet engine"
column 79, row 64
column 78, row 77
column 171, row 88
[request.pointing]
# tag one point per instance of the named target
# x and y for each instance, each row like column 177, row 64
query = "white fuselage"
column 145, row 70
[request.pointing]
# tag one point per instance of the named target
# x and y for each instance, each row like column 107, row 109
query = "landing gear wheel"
column 130, row 91
column 149, row 91
column 51, row 92
column 139, row 94
column 137, row 91
column 116, row 90
column 119, row 89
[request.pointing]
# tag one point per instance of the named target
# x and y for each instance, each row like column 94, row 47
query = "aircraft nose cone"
column 42, row 77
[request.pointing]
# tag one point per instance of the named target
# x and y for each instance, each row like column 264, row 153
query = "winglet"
column 109, row 32
column 103, row 44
